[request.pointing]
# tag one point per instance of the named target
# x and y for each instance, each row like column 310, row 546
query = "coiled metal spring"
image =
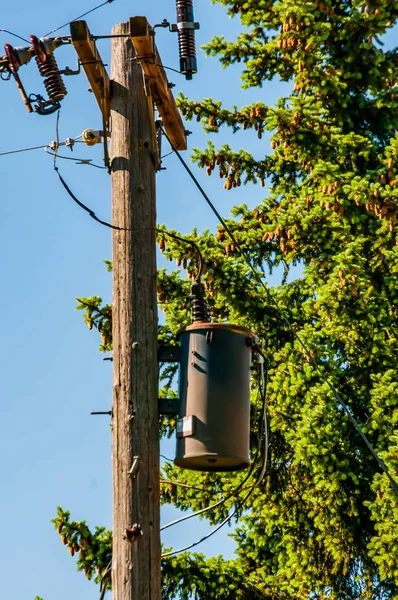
column 53, row 81
column 48, row 69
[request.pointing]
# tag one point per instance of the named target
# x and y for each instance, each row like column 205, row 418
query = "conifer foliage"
column 324, row 521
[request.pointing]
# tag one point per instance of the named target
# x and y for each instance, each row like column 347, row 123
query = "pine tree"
column 324, row 522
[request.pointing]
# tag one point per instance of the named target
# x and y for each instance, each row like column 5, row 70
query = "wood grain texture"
column 142, row 36
column 135, row 566
column 92, row 64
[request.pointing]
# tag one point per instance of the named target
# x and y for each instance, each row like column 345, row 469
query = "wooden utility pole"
column 136, row 537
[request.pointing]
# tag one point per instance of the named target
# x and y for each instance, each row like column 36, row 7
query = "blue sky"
column 52, row 451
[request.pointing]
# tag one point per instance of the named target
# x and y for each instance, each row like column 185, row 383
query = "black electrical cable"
column 195, row 246
column 83, row 206
column 166, row 457
column 105, row 576
column 168, row 68
column 330, row 385
column 23, row 150
column 216, row 504
column 15, row 35
column 44, row 146
column 80, row 17
column 78, row 161
column 139, row 58
column 262, row 427
column 106, row 224
column 71, row 194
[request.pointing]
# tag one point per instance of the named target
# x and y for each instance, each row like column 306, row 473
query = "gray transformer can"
column 213, row 425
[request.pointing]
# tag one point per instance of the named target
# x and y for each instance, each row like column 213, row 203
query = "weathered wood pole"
column 136, row 557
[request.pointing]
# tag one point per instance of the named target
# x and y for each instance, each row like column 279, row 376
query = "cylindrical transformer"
column 213, row 425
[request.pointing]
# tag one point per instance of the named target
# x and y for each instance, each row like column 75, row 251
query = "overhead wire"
column 78, row 161
column 105, row 576
column 67, row 188
column 105, row 223
column 80, row 17
column 83, row 206
column 339, row 400
column 43, row 146
column 23, row 150
column 14, row 34
column 185, row 241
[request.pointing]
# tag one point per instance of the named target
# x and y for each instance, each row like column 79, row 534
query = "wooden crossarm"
column 143, row 40
column 91, row 62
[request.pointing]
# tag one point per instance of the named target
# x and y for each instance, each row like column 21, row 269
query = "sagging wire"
column 166, row 458
column 52, row 148
column 263, row 433
column 185, row 241
column 78, row 161
column 139, row 58
column 105, row 576
column 185, row 485
column 23, row 150
column 78, row 18
column 166, row 155
column 339, row 400
column 14, row 34
column 106, row 224
column 44, row 146
column 67, row 188
column 83, row 206
column 251, row 490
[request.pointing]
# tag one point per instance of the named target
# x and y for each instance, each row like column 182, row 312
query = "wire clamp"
column 53, row 146
column 175, row 27
column 69, row 143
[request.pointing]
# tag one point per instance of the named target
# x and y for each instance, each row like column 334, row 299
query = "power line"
column 339, row 400
column 67, row 188
column 106, row 575
column 83, row 206
column 15, row 35
column 185, row 241
column 78, row 161
column 36, row 148
column 23, row 150
column 80, row 17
